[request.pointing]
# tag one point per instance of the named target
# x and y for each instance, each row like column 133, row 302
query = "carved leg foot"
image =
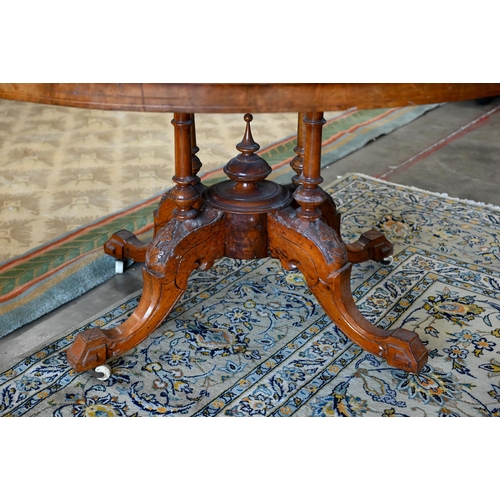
column 399, row 347
column 94, row 347
column 372, row 245
column 178, row 249
column 125, row 245
column 317, row 251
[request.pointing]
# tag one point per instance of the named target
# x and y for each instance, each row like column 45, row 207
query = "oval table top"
column 243, row 97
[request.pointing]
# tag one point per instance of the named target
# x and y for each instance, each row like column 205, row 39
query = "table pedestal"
column 248, row 217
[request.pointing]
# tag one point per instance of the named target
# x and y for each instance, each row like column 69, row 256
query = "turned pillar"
column 184, row 194
column 308, row 194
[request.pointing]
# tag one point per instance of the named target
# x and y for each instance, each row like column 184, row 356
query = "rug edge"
column 414, row 188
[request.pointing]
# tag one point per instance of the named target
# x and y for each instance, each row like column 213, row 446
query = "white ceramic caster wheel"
column 119, row 266
column 105, row 370
column 388, row 261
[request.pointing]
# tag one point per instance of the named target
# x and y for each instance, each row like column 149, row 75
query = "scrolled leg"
column 178, row 249
column 316, row 250
column 399, row 347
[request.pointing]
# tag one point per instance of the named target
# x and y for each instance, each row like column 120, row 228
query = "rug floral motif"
column 249, row 339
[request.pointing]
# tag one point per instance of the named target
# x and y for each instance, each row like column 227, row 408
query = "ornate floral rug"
column 249, row 339
column 71, row 177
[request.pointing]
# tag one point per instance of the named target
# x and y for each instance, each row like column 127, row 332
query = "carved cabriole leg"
column 191, row 239
column 125, row 245
column 315, row 249
column 178, row 249
column 301, row 239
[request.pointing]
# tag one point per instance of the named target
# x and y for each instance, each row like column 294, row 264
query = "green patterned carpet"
column 248, row 339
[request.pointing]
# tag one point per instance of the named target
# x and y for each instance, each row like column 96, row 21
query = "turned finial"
column 247, row 168
column 248, row 146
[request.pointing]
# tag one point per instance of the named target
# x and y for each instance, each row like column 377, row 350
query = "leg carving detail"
column 125, row 245
column 316, row 250
column 164, row 213
column 371, row 245
column 178, row 249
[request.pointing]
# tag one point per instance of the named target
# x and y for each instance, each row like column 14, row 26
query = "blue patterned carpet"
column 249, row 339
